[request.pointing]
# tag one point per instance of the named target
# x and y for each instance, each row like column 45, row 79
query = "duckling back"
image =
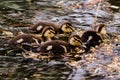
column 37, row 28
column 24, row 41
column 59, row 47
column 56, row 47
column 24, row 38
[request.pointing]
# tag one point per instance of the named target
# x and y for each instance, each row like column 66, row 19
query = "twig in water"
column 95, row 19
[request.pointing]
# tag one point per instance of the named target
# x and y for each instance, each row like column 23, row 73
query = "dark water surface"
column 17, row 15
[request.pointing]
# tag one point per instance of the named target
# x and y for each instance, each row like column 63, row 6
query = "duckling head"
column 75, row 40
column 101, row 28
column 48, row 33
column 67, row 28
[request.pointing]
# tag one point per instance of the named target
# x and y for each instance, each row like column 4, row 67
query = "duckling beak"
column 83, row 45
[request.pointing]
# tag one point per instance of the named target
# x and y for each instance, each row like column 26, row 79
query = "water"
column 18, row 15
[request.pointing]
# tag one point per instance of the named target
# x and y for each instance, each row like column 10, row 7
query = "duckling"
column 26, row 41
column 59, row 47
column 22, row 39
column 37, row 28
column 91, row 39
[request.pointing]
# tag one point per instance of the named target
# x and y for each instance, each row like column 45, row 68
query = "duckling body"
column 91, row 39
column 24, row 38
column 24, row 42
column 37, row 28
column 59, row 47
column 56, row 47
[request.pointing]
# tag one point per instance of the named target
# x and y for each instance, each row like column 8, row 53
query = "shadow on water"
column 18, row 15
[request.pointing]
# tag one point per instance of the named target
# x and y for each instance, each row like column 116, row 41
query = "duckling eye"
column 76, row 39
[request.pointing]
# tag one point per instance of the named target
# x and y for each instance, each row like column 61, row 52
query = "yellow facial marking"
column 103, row 31
column 75, row 42
column 49, row 34
column 67, row 28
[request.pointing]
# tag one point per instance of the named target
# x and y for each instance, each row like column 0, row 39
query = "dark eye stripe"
column 78, row 40
column 52, row 31
column 69, row 26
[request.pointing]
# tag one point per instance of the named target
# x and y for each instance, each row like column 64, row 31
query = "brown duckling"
column 47, row 33
column 37, row 28
column 29, row 40
column 24, row 39
column 91, row 39
column 59, row 47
